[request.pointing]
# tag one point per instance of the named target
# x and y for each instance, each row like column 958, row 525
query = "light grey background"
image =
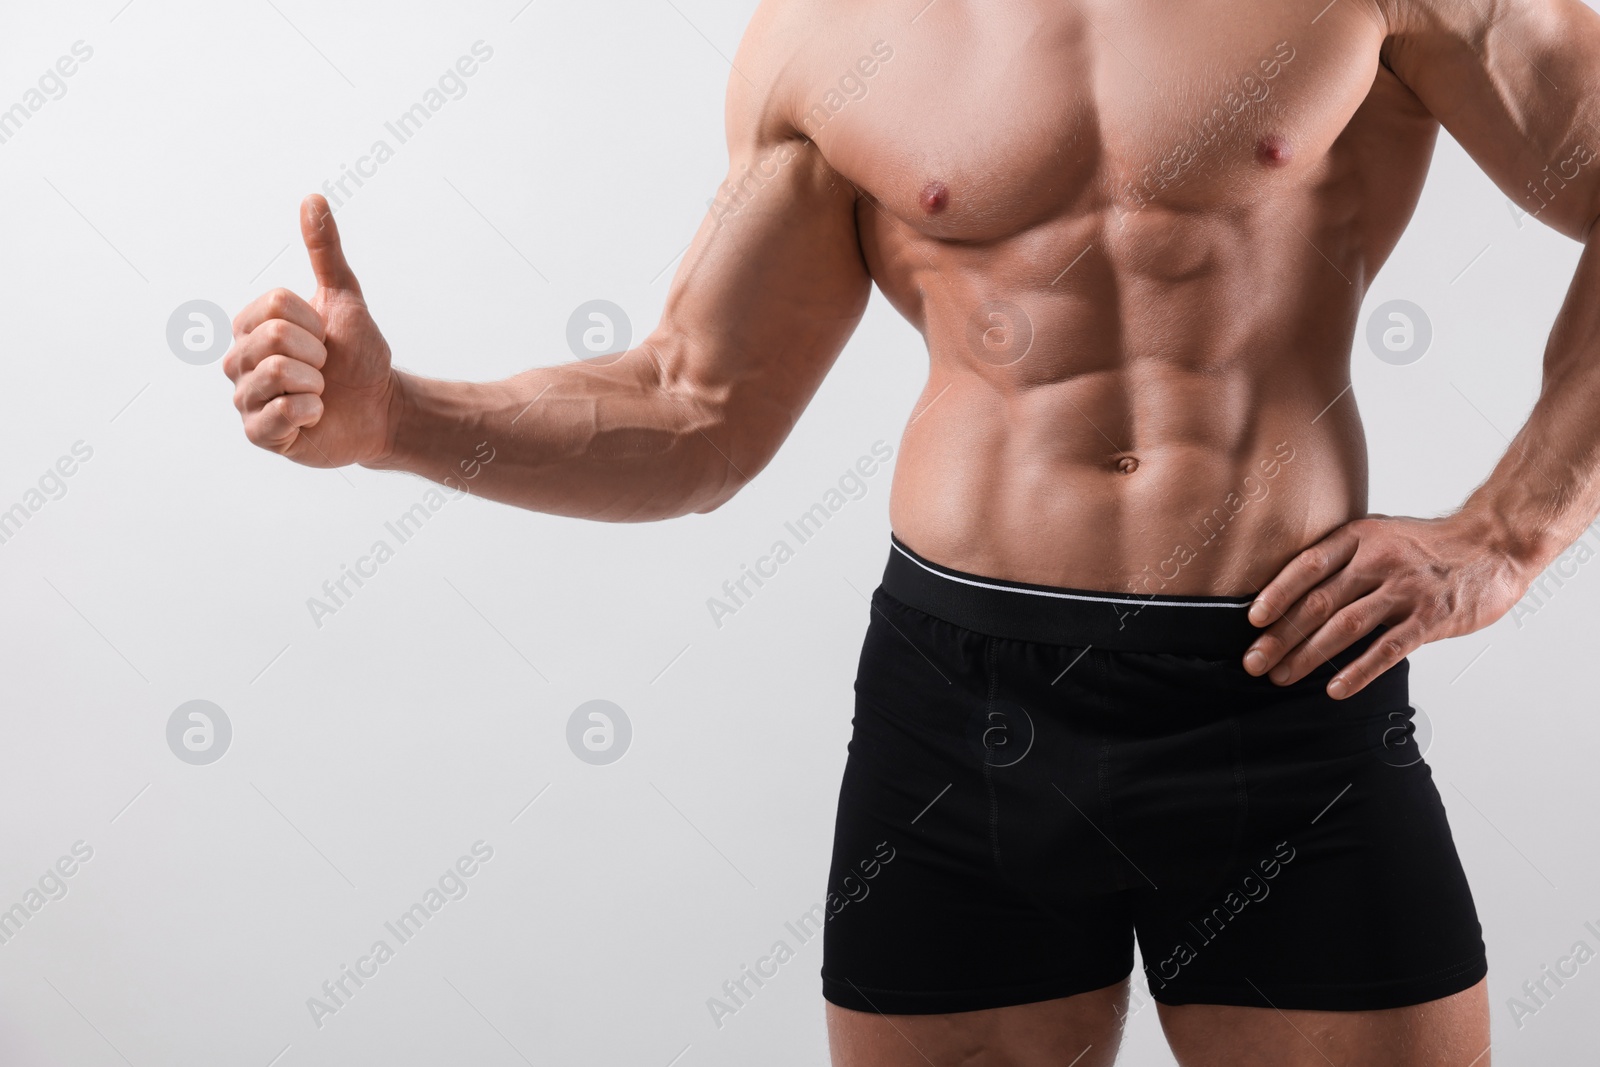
column 372, row 752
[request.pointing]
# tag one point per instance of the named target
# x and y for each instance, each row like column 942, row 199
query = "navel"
column 1127, row 464
column 934, row 197
column 1273, row 151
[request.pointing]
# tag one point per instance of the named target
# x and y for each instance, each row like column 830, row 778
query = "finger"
column 321, row 235
column 278, row 424
column 276, row 376
column 1304, row 618
column 279, row 304
column 1348, row 625
column 1303, row 572
column 1395, row 645
column 277, row 337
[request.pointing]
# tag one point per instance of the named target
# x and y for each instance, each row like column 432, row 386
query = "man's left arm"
column 1517, row 83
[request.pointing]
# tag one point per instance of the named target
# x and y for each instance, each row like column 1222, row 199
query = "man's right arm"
column 763, row 302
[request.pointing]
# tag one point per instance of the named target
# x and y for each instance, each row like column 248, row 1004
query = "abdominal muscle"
column 981, row 489
column 1183, row 433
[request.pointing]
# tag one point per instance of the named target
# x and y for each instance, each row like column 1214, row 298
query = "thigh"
column 961, row 879
column 1076, row 1031
column 1347, row 894
column 1450, row 1032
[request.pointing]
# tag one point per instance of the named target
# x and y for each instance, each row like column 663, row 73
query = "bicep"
column 774, row 281
column 1517, row 84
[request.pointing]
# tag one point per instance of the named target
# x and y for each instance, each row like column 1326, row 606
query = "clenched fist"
column 313, row 381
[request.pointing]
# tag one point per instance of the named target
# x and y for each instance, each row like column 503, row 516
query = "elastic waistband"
column 1215, row 627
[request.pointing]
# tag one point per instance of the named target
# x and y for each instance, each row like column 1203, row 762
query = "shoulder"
column 792, row 53
column 1466, row 22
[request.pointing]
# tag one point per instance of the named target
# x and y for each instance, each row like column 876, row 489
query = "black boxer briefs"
column 1037, row 776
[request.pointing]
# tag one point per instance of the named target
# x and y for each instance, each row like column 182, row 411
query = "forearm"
column 623, row 442
column 1546, row 488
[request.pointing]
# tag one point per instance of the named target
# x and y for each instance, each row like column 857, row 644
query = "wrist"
column 395, row 410
column 1528, row 547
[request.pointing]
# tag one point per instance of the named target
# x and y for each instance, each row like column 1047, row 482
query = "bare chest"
column 980, row 120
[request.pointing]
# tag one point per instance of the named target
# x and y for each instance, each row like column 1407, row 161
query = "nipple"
column 934, row 197
column 1273, row 150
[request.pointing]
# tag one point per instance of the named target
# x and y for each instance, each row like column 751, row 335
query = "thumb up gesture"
column 313, row 379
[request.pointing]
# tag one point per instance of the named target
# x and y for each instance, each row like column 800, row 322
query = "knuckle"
column 274, row 332
column 1313, row 558
column 257, row 346
column 279, row 301
column 1319, row 603
column 269, row 420
column 270, row 372
column 1349, row 624
column 275, row 364
column 1391, row 648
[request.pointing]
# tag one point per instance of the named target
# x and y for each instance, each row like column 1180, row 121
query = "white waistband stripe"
column 1066, row 596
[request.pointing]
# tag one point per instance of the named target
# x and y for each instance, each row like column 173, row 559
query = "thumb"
column 321, row 235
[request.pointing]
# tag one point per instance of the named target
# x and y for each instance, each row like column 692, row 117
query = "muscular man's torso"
column 1136, row 238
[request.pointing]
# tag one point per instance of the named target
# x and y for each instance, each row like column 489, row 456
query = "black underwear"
column 1053, row 773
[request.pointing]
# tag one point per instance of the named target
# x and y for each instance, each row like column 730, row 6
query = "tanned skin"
column 1136, row 237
